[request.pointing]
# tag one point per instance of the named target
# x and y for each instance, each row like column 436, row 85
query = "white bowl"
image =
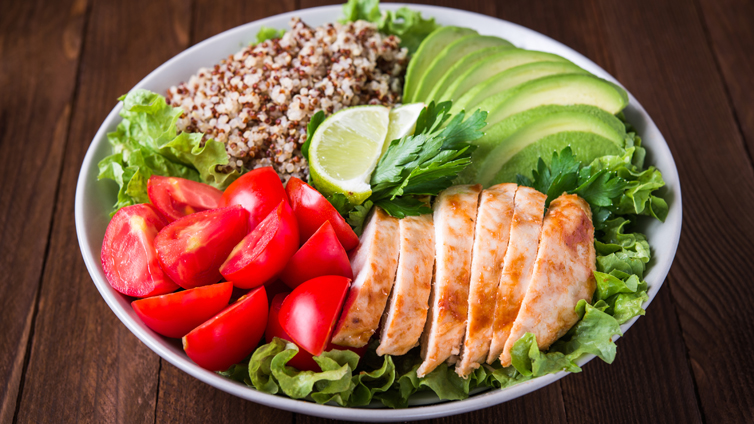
column 94, row 200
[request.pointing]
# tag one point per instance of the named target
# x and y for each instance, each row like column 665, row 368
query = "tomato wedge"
column 321, row 255
column 192, row 248
column 176, row 314
column 303, row 361
column 261, row 255
column 259, row 191
column 230, row 336
column 309, row 313
column 128, row 252
column 312, row 210
column 177, row 197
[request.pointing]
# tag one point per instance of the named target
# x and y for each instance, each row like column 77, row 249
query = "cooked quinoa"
column 259, row 101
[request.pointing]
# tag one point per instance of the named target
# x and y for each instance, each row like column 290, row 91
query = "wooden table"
column 65, row 357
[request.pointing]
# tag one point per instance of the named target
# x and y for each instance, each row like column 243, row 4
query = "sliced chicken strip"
column 454, row 215
column 563, row 275
column 493, row 224
column 403, row 323
column 373, row 263
column 518, row 264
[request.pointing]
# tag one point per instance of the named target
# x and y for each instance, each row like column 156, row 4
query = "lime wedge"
column 345, row 149
column 402, row 122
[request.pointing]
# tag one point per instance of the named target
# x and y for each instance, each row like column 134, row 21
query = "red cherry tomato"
column 303, row 361
column 177, row 197
column 321, row 255
column 259, row 191
column 192, row 248
column 175, row 314
column 312, row 210
column 262, row 254
column 128, row 252
column 230, row 336
column 309, row 313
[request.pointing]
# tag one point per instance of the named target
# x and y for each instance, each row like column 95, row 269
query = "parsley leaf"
column 358, row 216
column 311, row 127
column 428, row 161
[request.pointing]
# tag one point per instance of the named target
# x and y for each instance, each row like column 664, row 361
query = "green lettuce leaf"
column 146, row 142
column 267, row 33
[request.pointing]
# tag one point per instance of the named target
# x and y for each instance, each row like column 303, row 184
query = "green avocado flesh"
column 460, row 68
column 586, row 147
column 511, row 78
column 493, row 65
column 504, row 129
column 449, row 57
column 528, row 132
column 427, row 52
column 565, row 89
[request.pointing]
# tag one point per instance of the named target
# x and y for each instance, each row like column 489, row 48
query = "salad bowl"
column 94, row 199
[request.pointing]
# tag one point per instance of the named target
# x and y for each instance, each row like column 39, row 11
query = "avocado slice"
column 449, row 56
column 493, row 65
column 460, row 67
column 564, row 89
column 586, row 147
column 567, row 122
column 428, row 50
column 511, row 78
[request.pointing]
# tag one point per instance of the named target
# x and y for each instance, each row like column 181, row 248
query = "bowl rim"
column 659, row 147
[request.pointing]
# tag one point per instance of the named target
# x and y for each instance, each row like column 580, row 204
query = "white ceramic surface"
column 95, row 198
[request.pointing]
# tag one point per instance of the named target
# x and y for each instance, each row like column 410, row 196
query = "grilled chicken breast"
column 454, row 216
column 493, row 225
column 529, row 207
column 374, row 263
column 403, row 322
column 563, row 274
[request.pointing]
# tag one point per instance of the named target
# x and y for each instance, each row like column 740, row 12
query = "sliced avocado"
column 565, row 89
column 511, row 78
column 504, row 129
column 530, row 131
column 428, row 50
column 448, row 57
column 460, row 67
column 586, row 147
column 494, row 65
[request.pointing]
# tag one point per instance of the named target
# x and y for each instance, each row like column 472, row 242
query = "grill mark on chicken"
column 374, row 264
column 491, row 236
column 454, row 217
column 563, row 274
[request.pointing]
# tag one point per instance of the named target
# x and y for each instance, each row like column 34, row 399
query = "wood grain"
column 84, row 365
column 39, row 53
column 731, row 33
column 671, row 69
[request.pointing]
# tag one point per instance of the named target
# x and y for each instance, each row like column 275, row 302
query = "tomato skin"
column 176, row 314
column 259, row 191
column 177, row 197
column 262, row 254
column 312, row 210
column 321, row 255
column 192, row 248
column 231, row 335
column 128, row 255
column 303, row 361
column 309, row 313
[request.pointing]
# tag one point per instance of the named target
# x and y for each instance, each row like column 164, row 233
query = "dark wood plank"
column 671, row 69
column 183, row 398
column 40, row 44
column 729, row 29
column 85, row 366
column 650, row 380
